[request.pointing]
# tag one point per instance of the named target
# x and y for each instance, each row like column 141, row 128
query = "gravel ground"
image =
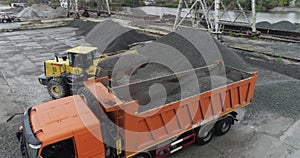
column 273, row 112
column 285, row 49
column 22, row 55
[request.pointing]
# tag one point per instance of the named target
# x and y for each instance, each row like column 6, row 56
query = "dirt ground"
column 263, row 130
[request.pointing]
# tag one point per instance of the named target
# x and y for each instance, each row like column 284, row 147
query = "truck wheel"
column 204, row 136
column 142, row 156
column 4, row 21
column 223, row 126
column 57, row 88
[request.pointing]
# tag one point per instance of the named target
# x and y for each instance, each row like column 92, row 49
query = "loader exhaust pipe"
column 56, row 57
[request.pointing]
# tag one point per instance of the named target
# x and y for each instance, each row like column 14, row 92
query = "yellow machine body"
column 58, row 66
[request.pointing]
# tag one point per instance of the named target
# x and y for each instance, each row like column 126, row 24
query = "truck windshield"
column 31, row 151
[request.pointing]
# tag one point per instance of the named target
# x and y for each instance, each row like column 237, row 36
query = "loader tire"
column 57, row 88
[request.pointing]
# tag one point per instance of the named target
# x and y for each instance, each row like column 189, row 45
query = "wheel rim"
column 55, row 90
column 206, row 136
column 225, row 126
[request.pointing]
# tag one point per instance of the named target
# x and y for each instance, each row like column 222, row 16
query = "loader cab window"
column 81, row 60
column 62, row 149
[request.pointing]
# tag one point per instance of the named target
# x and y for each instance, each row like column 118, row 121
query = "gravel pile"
column 264, row 25
column 183, row 49
column 284, row 26
column 110, row 36
column 231, row 58
column 27, row 13
column 42, row 11
column 84, row 27
column 136, row 12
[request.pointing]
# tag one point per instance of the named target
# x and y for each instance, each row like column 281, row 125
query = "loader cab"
column 82, row 56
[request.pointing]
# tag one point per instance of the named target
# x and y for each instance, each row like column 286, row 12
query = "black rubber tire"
column 4, row 21
column 59, row 83
column 86, row 95
column 223, row 126
column 91, row 101
column 142, row 156
column 202, row 140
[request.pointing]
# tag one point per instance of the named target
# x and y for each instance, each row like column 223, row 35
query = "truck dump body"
column 146, row 125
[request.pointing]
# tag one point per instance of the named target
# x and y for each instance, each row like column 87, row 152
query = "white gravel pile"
column 42, row 11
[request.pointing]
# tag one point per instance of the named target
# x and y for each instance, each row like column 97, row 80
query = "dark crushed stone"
column 110, row 36
column 284, row 26
column 84, row 27
column 264, row 25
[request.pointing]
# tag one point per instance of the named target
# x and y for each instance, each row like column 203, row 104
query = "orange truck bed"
column 143, row 130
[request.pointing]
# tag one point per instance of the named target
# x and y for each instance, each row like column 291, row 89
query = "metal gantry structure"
column 199, row 11
column 102, row 6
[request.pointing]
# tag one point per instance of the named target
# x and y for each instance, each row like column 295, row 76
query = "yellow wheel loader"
column 63, row 74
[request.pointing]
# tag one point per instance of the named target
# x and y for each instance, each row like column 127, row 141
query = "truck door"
column 62, row 149
column 89, row 146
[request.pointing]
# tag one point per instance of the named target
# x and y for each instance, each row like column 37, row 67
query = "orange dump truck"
column 112, row 125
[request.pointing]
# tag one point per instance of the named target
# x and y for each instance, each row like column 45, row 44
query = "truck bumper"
column 44, row 79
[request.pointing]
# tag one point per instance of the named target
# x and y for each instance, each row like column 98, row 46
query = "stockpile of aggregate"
column 137, row 12
column 110, row 36
column 28, row 13
column 183, row 49
column 284, row 26
column 42, row 11
column 84, row 27
column 264, row 25
column 231, row 58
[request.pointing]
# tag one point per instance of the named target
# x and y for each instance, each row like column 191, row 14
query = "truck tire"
column 57, row 88
column 204, row 136
column 144, row 155
column 223, row 126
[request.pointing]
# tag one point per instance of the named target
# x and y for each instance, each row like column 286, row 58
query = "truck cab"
column 55, row 130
